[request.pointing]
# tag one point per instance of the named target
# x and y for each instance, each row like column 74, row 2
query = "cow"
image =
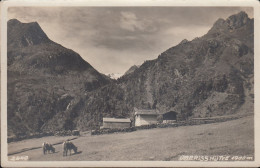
column 68, row 145
column 47, row 148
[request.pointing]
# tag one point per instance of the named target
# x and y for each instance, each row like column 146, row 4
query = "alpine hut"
column 169, row 117
column 116, row 123
column 145, row 117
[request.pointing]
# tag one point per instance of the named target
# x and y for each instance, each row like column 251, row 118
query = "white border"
column 4, row 158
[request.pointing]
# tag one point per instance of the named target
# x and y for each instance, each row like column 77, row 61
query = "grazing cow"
column 68, row 145
column 47, row 148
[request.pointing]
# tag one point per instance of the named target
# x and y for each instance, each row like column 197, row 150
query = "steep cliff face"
column 52, row 88
column 44, row 78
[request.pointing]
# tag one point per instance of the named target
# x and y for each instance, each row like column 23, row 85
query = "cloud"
column 129, row 22
column 112, row 39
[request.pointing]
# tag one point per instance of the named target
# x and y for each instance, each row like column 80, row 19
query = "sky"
column 112, row 39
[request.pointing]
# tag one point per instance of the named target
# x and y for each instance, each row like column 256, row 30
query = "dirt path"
column 234, row 137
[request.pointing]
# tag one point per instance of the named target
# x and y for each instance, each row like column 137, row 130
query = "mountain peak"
column 231, row 23
column 13, row 22
column 113, row 75
column 25, row 34
column 238, row 20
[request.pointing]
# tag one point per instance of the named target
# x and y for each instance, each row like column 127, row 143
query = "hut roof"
column 146, row 111
column 116, row 120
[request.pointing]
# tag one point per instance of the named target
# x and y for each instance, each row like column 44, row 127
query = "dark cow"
column 68, row 146
column 47, row 148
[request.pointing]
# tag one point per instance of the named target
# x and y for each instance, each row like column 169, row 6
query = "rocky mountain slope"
column 44, row 79
column 209, row 76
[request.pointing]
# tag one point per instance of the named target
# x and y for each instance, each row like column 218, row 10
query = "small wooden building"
column 116, row 123
column 169, row 117
column 145, row 117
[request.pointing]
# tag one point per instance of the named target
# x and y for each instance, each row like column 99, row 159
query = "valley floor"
column 234, row 138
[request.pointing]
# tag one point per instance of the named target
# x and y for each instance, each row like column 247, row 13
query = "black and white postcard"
column 129, row 83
